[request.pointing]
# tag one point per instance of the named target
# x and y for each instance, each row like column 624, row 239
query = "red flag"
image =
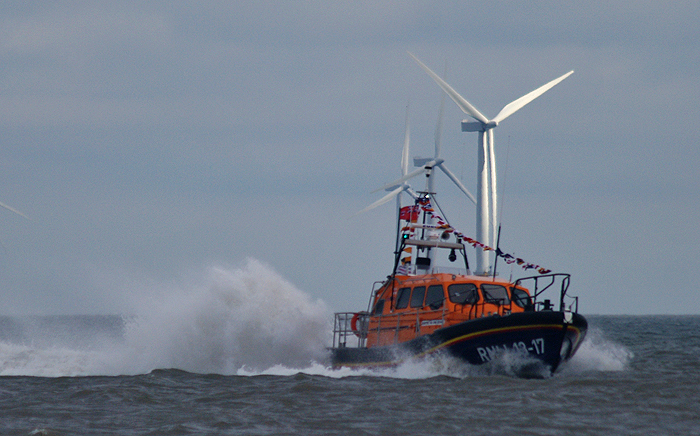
column 409, row 213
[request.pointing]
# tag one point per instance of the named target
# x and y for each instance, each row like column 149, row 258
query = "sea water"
column 242, row 352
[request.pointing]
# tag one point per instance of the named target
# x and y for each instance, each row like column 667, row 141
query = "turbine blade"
column 382, row 200
column 463, row 104
column 457, row 182
column 410, row 175
column 516, row 105
column 438, row 128
column 12, row 209
column 404, row 152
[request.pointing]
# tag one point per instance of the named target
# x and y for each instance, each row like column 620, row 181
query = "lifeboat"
column 423, row 309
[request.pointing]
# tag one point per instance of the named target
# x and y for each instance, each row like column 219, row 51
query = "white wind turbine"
column 486, row 202
column 396, row 187
column 426, row 166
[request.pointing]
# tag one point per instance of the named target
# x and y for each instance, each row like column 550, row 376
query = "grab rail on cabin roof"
column 545, row 282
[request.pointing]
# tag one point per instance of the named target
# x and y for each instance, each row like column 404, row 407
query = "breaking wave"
column 247, row 318
column 597, row 353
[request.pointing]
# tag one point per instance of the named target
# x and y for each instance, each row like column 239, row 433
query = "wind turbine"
column 426, row 166
column 486, row 201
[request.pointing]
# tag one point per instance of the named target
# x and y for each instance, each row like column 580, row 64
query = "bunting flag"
column 427, row 208
column 403, row 270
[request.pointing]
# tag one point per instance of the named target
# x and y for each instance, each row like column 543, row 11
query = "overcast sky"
column 149, row 141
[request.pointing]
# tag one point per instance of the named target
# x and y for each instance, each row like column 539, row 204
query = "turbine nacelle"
column 472, row 126
column 478, row 126
column 426, row 162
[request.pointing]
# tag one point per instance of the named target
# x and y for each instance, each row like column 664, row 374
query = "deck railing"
column 343, row 333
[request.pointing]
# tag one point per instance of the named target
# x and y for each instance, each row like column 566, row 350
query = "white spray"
column 223, row 321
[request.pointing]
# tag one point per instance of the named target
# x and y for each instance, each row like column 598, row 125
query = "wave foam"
column 248, row 317
column 226, row 320
column 597, row 353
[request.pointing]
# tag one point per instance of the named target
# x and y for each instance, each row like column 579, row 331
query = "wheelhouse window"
column 378, row 308
column 435, row 297
column 463, row 293
column 418, row 296
column 495, row 294
column 521, row 298
column 403, row 297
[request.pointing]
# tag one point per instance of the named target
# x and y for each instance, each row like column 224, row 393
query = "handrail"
column 548, row 280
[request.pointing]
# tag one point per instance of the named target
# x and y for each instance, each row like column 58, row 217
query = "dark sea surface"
column 82, row 375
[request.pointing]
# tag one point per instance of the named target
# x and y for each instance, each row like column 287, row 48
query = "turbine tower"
column 486, row 201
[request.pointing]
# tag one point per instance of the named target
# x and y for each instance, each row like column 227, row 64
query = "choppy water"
column 216, row 360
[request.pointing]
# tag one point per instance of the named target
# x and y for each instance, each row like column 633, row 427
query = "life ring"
column 353, row 323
